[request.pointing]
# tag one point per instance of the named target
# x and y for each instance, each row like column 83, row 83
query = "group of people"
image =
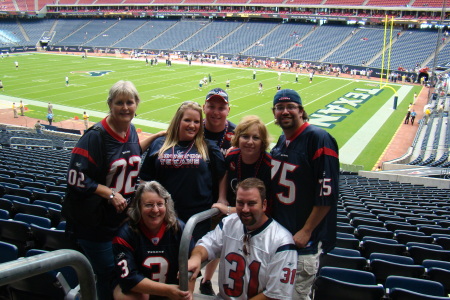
column 278, row 208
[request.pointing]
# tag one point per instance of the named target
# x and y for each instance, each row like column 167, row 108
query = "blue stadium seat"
column 30, row 219
column 411, row 288
column 383, row 265
column 8, row 252
column 346, row 284
column 438, row 271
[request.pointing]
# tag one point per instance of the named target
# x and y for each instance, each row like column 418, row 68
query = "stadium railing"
column 30, row 142
column 184, row 246
column 30, row 266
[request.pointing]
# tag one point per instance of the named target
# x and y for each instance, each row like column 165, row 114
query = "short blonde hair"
column 123, row 88
column 243, row 128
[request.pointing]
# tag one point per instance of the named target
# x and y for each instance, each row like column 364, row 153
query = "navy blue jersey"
column 222, row 138
column 238, row 171
column 185, row 174
column 138, row 255
column 104, row 158
column 305, row 173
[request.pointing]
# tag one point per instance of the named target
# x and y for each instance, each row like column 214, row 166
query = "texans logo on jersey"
column 229, row 136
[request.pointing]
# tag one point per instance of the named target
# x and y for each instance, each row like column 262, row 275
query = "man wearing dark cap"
column 218, row 130
column 305, row 178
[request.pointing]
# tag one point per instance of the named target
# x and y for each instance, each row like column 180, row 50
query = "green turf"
column 41, row 77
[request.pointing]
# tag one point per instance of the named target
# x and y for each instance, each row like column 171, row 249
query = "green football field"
column 355, row 111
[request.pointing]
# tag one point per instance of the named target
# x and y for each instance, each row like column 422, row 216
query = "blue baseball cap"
column 287, row 95
column 217, row 93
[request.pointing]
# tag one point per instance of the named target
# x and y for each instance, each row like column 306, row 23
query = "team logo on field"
column 92, row 73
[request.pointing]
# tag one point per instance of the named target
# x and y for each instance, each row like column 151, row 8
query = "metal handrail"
column 186, row 240
column 30, row 266
column 43, row 143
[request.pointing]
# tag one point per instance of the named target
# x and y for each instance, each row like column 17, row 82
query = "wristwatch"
column 113, row 193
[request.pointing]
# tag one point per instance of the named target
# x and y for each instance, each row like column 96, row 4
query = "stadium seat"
column 444, row 242
column 30, row 219
column 8, row 252
column 438, row 271
column 343, row 259
column 412, row 288
column 394, row 225
column 419, row 254
column 17, row 233
column 384, row 265
column 22, row 199
column 52, row 239
column 31, row 209
column 348, row 243
column 363, row 231
column 50, row 197
column 21, row 192
column 404, row 238
column 346, row 284
column 428, row 230
column 6, row 204
column 4, row 214
column 370, row 245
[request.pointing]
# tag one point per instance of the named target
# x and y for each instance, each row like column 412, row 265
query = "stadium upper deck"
column 407, row 11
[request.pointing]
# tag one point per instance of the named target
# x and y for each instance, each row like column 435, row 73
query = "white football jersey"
column 267, row 263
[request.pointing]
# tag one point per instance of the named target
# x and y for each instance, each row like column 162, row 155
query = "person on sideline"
column 101, row 181
column 21, row 108
column 413, row 116
column 305, row 186
column 146, row 247
column 15, row 110
column 86, row 120
column 219, row 131
column 184, row 163
column 257, row 255
column 50, row 118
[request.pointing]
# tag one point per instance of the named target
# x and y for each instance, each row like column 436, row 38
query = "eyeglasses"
column 247, row 237
column 153, row 205
column 281, row 108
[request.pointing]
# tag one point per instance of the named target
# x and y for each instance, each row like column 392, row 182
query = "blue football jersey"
column 305, row 173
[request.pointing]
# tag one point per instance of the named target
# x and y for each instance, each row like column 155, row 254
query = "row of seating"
column 344, row 284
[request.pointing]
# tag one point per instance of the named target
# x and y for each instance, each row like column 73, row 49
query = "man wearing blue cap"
column 305, row 178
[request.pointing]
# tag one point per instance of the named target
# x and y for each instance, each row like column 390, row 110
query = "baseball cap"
column 287, row 95
column 217, row 93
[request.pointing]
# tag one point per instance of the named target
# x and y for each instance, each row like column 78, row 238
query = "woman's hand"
column 119, row 202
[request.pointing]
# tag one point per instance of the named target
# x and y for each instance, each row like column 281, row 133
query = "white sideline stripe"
column 356, row 144
column 6, row 102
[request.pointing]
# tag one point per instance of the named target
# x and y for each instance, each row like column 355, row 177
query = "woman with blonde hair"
column 248, row 159
column 151, row 237
column 101, row 181
column 185, row 163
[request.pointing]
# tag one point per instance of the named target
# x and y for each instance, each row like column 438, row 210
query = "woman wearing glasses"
column 146, row 248
column 184, row 163
column 248, row 159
